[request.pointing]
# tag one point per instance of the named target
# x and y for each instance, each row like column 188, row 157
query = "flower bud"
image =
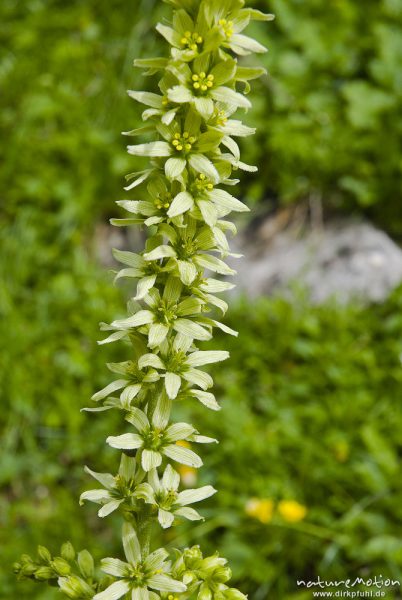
column 86, row 564
column 44, row 573
column 68, row 552
column 61, row 566
column 44, row 554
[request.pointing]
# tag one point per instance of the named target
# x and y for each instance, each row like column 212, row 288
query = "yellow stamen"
column 202, row 75
column 175, row 142
column 192, row 140
column 195, row 77
column 199, row 40
column 209, row 84
column 187, row 34
column 210, row 186
column 177, row 136
column 211, row 77
column 188, row 147
column 204, row 88
column 196, row 85
column 186, row 134
column 179, row 147
column 166, row 205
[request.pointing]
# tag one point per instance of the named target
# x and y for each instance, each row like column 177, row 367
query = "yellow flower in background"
column 291, row 511
column 187, row 474
column 260, row 508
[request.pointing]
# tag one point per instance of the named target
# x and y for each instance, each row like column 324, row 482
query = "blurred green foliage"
column 310, row 394
column 329, row 119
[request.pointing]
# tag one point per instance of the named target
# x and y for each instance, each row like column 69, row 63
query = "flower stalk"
column 183, row 203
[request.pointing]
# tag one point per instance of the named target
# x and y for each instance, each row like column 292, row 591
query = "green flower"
column 184, row 147
column 187, row 252
column 201, row 84
column 163, row 494
column 136, row 379
column 156, row 439
column 166, row 314
column 179, row 365
column 117, row 489
column 139, row 575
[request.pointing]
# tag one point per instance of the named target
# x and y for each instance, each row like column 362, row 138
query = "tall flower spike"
column 182, row 202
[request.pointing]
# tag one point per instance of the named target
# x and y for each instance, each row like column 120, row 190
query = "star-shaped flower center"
column 183, row 142
column 202, row 82
column 191, row 40
column 226, row 27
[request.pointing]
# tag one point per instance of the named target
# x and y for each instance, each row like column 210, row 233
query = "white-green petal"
column 127, row 467
column 114, row 566
column 226, row 200
column 140, row 594
column 131, row 545
column 163, row 251
column 202, row 164
column 126, row 441
column 97, row 496
column 109, row 507
column 183, row 455
column 164, row 583
column 191, row 329
column 128, row 258
column 229, row 96
column 150, row 459
column 188, row 513
column 206, row 398
column 150, row 360
column 109, row 389
column 205, row 357
column 138, row 418
column 113, row 337
column 204, row 106
column 156, row 559
column 129, row 393
column 160, row 417
column 172, row 384
column 248, row 43
column 187, row 271
column 142, row 317
column 179, row 94
column 195, row 495
column 105, row 479
column 213, row 264
column 197, row 377
column 114, row 591
column 208, row 212
column 170, row 478
column 165, row 518
column 152, row 149
column 157, row 333
column 215, row 286
column 174, row 167
column 179, row 431
column 144, row 285
column 147, row 98
column 181, row 204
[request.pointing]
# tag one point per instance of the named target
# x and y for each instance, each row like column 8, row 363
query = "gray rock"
column 343, row 260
